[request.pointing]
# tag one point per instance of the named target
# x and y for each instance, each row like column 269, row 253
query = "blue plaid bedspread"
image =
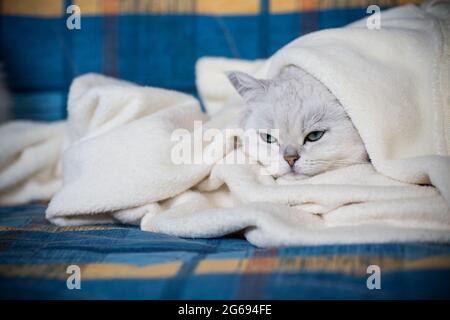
column 149, row 42
column 121, row 262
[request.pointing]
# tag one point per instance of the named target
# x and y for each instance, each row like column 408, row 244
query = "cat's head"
column 312, row 132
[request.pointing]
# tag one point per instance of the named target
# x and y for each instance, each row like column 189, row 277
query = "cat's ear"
column 249, row 88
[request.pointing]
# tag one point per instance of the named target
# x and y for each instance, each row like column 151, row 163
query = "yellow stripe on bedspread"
column 55, row 8
column 41, row 8
column 92, row 271
column 288, row 6
column 351, row 265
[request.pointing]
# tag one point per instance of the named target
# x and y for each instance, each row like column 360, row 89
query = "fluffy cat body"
column 305, row 128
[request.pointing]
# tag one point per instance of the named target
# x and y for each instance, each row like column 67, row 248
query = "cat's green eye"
column 267, row 137
column 314, row 136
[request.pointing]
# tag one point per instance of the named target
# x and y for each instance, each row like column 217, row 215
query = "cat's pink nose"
column 291, row 159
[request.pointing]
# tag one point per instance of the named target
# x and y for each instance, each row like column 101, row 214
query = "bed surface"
column 121, row 262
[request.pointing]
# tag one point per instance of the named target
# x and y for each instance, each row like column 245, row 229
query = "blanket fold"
column 113, row 160
column 392, row 84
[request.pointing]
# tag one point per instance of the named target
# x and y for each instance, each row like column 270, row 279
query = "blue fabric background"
column 42, row 56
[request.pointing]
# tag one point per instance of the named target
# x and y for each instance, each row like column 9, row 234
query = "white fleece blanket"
column 111, row 161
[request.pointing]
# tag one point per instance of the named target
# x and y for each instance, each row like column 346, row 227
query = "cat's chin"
column 293, row 176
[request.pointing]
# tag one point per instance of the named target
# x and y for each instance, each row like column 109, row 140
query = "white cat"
column 314, row 132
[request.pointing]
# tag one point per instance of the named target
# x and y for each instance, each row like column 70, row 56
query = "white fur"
column 297, row 104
